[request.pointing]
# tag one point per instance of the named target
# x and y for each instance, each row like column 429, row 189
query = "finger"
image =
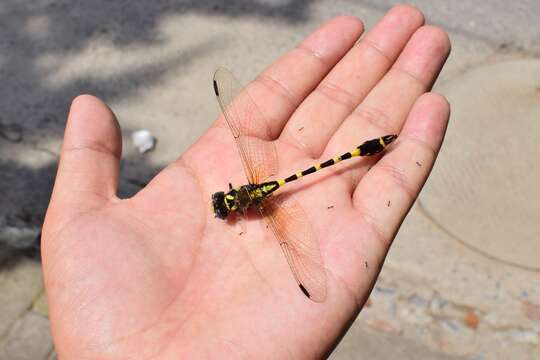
column 89, row 161
column 318, row 117
column 385, row 109
column 386, row 193
column 279, row 90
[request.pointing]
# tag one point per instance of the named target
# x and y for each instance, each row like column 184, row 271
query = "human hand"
column 157, row 276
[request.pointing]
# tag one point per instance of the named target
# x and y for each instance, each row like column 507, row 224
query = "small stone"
column 418, row 301
column 384, row 290
column 450, row 325
column 531, row 310
column 40, row 305
column 471, row 320
column 11, row 132
column 438, row 304
column 143, row 140
column 368, row 303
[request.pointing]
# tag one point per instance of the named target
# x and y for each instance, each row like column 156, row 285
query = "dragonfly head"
column 221, row 210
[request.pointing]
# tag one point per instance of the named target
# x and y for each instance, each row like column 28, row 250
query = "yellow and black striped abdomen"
column 368, row 148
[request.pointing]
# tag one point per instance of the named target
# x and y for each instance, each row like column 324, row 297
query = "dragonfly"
column 283, row 215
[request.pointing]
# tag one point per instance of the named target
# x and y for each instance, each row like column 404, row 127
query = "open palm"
column 157, row 276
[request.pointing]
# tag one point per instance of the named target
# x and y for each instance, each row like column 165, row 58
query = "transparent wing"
column 248, row 126
column 291, row 228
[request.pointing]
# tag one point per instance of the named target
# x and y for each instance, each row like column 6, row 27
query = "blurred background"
column 462, row 280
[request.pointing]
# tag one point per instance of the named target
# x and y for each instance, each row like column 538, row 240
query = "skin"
column 149, row 277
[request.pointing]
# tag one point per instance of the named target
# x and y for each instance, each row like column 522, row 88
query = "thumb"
column 88, row 170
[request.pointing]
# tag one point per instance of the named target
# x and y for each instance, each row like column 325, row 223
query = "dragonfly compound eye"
column 218, row 205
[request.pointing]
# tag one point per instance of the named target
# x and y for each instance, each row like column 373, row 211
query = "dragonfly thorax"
column 240, row 199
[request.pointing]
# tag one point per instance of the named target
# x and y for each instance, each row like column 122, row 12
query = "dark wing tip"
column 304, row 290
column 216, row 90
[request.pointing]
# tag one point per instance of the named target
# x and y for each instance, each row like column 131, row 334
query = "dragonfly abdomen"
column 368, row 148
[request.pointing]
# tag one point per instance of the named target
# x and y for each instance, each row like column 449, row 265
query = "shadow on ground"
column 27, row 196
column 34, row 112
